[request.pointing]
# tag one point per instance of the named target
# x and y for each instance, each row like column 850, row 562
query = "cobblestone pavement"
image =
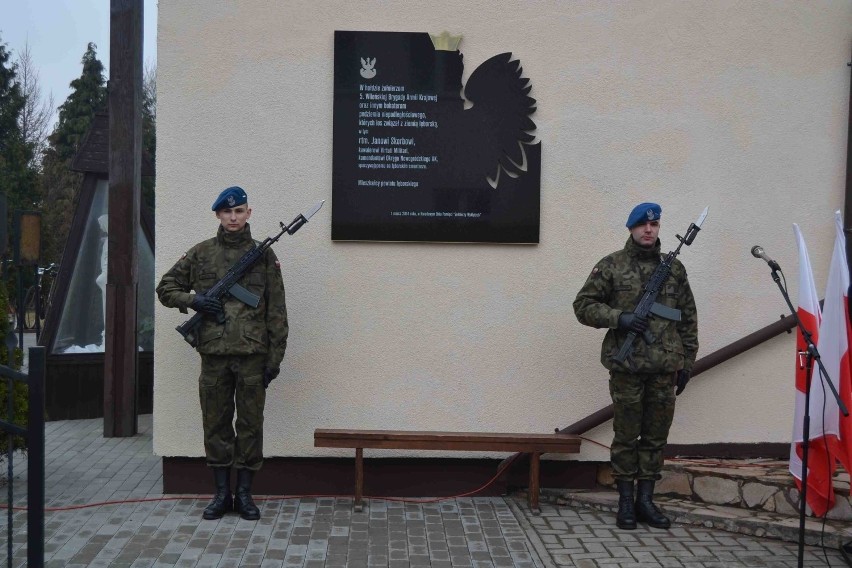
column 142, row 527
column 585, row 538
column 298, row 532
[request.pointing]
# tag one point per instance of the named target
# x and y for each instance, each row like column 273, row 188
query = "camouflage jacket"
column 246, row 330
column 616, row 285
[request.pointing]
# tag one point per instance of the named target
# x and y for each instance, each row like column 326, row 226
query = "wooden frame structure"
column 74, row 386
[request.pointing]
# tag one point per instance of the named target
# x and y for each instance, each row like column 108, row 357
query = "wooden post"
column 125, row 178
column 535, row 460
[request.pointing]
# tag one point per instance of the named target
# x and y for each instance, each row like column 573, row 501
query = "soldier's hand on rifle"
column 269, row 374
column 206, row 304
column 682, row 378
column 628, row 321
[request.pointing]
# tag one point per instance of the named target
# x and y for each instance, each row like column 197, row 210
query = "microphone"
column 757, row 252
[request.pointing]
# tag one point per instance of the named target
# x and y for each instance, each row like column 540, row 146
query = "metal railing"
column 33, row 433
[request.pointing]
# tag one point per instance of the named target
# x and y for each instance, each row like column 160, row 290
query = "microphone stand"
column 812, row 354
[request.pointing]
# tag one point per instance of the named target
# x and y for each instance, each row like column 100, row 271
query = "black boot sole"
column 625, row 526
column 659, row 526
column 214, row 516
column 249, row 515
column 666, row 525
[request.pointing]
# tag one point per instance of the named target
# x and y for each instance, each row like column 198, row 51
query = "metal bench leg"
column 534, row 477
column 359, row 479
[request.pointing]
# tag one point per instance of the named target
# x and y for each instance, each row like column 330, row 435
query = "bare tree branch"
column 34, row 120
column 149, row 87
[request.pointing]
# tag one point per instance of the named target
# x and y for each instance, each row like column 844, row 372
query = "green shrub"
column 19, row 390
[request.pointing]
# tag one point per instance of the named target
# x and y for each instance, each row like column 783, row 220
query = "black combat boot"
column 242, row 500
column 626, row 517
column 222, row 501
column 646, row 511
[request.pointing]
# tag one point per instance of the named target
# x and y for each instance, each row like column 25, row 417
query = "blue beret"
column 230, row 197
column 644, row 212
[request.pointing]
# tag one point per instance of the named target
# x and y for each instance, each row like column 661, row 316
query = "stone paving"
column 830, row 533
column 755, row 497
column 293, row 532
column 146, row 528
column 586, row 538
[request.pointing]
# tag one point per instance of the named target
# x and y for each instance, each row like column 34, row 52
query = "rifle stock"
column 189, row 329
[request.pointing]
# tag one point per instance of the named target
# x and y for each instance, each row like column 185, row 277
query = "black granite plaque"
column 413, row 161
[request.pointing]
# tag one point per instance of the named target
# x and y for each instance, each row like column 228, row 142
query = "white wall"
column 739, row 106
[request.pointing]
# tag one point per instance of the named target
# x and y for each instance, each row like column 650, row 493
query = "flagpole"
column 847, row 216
column 846, row 548
column 806, row 433
column 812, row 355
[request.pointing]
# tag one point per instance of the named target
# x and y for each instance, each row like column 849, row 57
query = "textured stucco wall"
column 739, row 106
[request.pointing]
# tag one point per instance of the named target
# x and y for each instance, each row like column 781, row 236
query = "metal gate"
column 34, row 435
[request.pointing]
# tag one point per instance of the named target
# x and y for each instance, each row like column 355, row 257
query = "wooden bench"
column 534, row 444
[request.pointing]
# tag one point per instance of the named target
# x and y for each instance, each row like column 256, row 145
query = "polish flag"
column 834, row 336
column 830, row 433
column 820, row 496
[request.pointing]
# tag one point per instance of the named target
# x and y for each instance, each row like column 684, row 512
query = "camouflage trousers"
column 228, row 383
column 643, row 410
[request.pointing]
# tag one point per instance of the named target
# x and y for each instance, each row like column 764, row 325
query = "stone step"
column 759, row 485
column 755, row 484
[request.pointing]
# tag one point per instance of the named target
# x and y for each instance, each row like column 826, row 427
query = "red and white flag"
column 821, row 498
column 834, row 336
column 830, row 433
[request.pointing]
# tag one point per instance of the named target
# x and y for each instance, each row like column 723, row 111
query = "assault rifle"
column 648, row 304
column 229, row 284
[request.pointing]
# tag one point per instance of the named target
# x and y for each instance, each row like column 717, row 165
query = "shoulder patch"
column 183, row 256
column 278, row 265
column 595, row 271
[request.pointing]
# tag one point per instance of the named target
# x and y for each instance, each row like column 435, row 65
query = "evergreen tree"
column 88, row 96
column 60, row 187
column 17, row 177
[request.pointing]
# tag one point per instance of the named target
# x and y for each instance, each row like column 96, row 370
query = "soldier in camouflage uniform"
column 643, row 395
column 239, row 357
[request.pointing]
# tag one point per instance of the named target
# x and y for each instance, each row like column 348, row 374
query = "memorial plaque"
column 415, row 161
